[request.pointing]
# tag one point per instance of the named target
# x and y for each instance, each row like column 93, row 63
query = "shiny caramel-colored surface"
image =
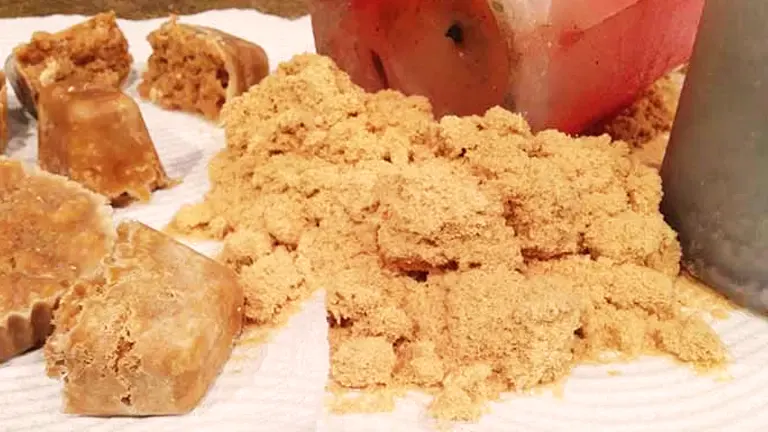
column 98, row 138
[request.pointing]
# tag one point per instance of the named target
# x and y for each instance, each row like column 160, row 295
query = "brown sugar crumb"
column 636, row 238
column 98, row 138
column 289, row 201
column 52, row 232
column 520, row 327
column 465, row 228
column 271, row 282
column 645, row 125
column 464, row 394
column 466, row 258
column 197, row 69
column 652, row 114
column 363, row 362
column 94, row 52
column 148, row 333
column 690, row 340
column 633, row 310
column 557, row 189
column 3, row 113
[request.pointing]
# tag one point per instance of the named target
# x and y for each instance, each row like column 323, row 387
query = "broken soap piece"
column 148, row 334
column 52, row 231
column 3, row 114
column 98, row 138
column 94, row 52
column 197, row 69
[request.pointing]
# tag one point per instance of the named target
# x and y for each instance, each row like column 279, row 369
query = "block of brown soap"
column 149, row 334
column 52, row 232
column 98, row 138
column 93, row 52
column 197, row 69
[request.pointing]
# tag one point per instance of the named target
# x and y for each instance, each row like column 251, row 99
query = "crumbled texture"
column 148, row 333
column 692, row 294
column 466, row 258
column 98, row 138
column 645, row 125
column 94, row 51
column 3, row 114
column 374, row 355
column 197, row 69
column 52, row 232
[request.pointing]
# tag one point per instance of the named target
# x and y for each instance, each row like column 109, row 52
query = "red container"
column 564, row 64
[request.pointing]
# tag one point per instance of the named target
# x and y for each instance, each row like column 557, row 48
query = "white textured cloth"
column 281, row 386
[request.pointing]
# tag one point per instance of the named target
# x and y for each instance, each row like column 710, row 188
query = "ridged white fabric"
column 281, row 386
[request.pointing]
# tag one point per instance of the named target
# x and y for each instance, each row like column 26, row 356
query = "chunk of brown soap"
column 3, row 114
column 196, row 69
column 52, row 231
column 93, row 52
column 98, row 138
column 149, row 333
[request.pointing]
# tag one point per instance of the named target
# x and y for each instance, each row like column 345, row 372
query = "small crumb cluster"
column 646, row 124
column 466, row 257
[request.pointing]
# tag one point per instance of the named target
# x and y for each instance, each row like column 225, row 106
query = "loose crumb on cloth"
column 465, row 258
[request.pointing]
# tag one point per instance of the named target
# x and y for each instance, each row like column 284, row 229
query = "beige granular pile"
column 645, row 126
column 465, row 258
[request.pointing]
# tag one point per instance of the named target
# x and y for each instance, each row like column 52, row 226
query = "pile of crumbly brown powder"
column 466, row 257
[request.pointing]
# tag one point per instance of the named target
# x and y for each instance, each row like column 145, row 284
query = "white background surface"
column 280, row 386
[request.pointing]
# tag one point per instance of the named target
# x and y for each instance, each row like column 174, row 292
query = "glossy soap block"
column 98, row 138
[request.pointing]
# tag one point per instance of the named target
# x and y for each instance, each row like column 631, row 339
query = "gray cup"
column 715, row 171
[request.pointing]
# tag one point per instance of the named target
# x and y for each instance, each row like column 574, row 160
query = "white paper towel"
column 280, row 386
